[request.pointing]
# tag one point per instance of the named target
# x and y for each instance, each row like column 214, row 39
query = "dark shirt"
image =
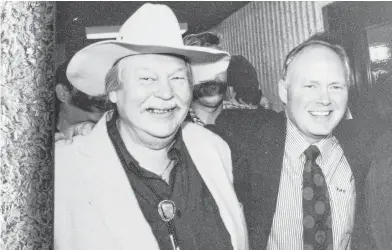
column 197, row 223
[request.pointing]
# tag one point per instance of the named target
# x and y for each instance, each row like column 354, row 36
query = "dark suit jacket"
column 379, row 190
column 257, row 141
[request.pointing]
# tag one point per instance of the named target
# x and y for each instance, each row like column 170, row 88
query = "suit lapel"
column 212, row 170
column 350, row 135
column 348, row 139
column 271, row 163
column 112, row 195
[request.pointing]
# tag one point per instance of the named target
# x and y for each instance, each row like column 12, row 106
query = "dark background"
column 73, row 17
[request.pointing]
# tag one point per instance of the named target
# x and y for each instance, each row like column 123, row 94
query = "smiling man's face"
column 155, row 94
column 315, row 92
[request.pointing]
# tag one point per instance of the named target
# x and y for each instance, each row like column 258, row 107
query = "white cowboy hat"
column 152, row 29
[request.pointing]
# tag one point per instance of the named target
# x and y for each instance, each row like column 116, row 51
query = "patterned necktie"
column 317, row 220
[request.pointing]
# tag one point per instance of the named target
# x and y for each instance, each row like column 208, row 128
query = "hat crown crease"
column 152, row 25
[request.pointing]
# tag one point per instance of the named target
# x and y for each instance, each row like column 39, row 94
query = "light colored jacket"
column 96, row 208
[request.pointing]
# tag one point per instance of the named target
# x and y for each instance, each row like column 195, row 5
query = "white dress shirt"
column 287, row 227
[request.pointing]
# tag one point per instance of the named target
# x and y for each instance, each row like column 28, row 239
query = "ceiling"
column 73, row 17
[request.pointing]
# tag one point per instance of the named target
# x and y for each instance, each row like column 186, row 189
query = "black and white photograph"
column 196, row 125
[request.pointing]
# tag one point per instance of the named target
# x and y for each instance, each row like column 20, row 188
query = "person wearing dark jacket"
column 300, row 173
column 379, row 180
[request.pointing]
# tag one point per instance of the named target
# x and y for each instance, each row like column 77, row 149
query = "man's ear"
column 62, row 93
column 113, row 96
column 282, row 88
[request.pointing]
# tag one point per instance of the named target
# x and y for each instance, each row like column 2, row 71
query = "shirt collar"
column 325, row 146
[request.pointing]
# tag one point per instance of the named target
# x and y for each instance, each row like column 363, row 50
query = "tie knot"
column 311, row 153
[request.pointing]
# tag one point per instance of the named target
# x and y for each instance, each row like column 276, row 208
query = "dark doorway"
column 365, row 30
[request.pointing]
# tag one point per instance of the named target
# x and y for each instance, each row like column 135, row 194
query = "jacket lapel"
column 350, row 135
column 210, row 165
column 271, row 160
column 112, row 194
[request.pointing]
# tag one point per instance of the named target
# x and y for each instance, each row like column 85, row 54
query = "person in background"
column 144, row 179
column 242, row 83
column 379, row 179
column 242, row 78
column 75, row 111
column 300, row 175
column 208, row 97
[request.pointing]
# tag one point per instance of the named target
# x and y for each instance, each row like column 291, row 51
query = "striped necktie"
column 317, row 220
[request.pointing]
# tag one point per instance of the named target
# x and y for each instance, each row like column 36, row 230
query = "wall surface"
column 264, row 32
column 27, row 92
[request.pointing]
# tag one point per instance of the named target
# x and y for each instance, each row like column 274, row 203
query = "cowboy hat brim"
column 88, row 68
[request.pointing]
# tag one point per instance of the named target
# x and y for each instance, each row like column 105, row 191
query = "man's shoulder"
column 250, row 115
column 66, row 147
column 247, row 120
column 72, row 155
column 251, row 130
column 362, row 134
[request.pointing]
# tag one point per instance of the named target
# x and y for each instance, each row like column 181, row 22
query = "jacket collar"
column 272, row 160
column 218, row 180
column 113, row 196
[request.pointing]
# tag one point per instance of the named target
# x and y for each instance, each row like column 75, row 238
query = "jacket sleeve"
column 62, row 172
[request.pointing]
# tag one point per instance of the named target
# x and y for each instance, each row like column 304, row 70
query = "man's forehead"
column 313, row 57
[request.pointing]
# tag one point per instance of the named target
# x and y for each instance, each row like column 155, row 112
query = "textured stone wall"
column 27, row 101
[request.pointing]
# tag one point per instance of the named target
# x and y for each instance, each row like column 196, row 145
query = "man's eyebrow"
column 338, row 82
column 182, row 68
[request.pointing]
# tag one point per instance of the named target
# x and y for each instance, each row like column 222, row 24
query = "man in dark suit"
column 302, row 185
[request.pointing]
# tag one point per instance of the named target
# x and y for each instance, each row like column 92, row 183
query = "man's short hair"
column 242, row 76
column 320, row 39
column 205, row 39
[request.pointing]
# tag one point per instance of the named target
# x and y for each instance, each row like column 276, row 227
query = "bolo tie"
column 166, row 208
column 167, row 211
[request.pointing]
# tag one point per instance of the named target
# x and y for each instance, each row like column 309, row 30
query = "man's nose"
column 164, row 89
column 324, row 96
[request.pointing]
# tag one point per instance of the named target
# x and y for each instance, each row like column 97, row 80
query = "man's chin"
column 164, row 131
column 321, row 132
column 211, row 101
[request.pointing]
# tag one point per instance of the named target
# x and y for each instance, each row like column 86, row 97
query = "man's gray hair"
column 320, row 39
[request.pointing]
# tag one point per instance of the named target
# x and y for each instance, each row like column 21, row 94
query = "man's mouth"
column 320, row 113
column 161, row 111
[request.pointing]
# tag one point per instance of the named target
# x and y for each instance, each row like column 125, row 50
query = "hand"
column 82, row 128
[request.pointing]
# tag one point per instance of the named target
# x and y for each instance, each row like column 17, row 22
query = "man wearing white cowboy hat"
column 143, row 179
